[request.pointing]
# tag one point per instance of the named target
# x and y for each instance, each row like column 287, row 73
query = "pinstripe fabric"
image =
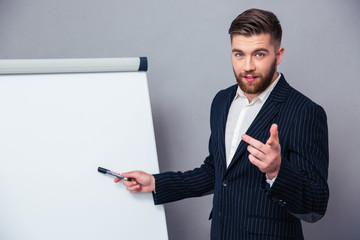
column 244, row 207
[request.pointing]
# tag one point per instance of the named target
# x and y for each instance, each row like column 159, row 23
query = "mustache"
column 244, row 74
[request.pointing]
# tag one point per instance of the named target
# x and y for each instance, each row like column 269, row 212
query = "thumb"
column 274, row 135
column 132, row 174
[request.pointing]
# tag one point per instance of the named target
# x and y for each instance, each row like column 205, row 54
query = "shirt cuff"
column 270, row 181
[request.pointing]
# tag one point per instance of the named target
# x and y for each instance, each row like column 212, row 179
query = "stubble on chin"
column 257, row 86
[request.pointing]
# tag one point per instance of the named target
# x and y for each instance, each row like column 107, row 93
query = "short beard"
column 258, row 87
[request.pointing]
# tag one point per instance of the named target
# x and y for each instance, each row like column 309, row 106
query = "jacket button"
column 225, row 183
column 282, row 203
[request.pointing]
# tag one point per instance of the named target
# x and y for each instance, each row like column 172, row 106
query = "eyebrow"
column 256, row 50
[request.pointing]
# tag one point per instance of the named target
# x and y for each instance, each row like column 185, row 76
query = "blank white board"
column 55, row 131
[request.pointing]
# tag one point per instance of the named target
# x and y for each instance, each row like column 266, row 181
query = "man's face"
column 254, row 60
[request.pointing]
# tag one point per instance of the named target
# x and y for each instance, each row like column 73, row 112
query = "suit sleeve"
column 301, row 185
column 173, row 186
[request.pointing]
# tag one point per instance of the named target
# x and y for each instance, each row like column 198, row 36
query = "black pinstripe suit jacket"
column 244, row 206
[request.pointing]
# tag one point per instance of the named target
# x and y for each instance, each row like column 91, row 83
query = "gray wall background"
column 188, row 49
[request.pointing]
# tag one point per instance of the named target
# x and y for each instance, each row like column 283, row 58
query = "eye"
column 260, row 55
column 239, row 55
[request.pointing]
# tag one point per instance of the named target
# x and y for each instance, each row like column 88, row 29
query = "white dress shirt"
column 241, row 114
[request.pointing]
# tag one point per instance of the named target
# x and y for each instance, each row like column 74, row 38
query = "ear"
column 279, row 55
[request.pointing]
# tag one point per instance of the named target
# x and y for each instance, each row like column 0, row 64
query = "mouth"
column 250, row 78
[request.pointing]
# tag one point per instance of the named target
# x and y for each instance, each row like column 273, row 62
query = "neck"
column 250, row 97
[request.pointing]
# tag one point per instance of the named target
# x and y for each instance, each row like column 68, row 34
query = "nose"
column 249, row 65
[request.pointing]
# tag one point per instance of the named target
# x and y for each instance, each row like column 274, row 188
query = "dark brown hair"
column 256, row 21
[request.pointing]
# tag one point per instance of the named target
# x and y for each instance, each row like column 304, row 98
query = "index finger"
column 274, row 135
column 253, row 142
column 117, row 179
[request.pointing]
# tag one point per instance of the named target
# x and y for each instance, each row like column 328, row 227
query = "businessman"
column 268, row 151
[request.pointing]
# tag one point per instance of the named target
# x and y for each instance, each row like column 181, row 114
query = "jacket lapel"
column 222, row 125
column 266, row 114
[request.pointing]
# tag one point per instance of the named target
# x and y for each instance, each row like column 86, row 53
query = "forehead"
column 250, row 43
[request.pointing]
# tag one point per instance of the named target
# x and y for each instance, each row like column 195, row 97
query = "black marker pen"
column 106, row 171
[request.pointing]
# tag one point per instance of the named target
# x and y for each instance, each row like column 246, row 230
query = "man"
column 267, row 180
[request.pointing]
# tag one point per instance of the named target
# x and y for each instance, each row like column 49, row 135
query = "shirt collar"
column 263, row 96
